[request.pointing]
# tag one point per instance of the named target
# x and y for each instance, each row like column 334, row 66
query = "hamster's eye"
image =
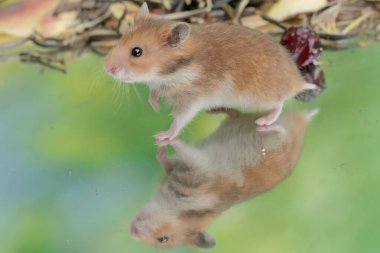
column 163, row 239
column 137, row 52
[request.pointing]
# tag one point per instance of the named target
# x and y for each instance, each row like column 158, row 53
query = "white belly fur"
column 229, row 99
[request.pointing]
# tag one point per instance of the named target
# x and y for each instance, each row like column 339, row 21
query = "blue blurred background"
column 77, row 162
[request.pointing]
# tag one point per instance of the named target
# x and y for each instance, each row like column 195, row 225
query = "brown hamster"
column 235, row 163
column 201, row 67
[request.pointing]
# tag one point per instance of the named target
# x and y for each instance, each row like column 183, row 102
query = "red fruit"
column 303, row 44
column 305, row 47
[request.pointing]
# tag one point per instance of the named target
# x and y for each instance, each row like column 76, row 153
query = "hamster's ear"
column 178, row 34
column 204, row 240
column 143, row 13
column 144, row 8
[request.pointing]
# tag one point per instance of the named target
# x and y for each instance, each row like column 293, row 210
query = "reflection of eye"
column 137, row 52
column 163, row 239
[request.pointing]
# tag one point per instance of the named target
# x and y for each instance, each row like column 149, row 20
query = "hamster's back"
column 249, row 162
column 251, row 59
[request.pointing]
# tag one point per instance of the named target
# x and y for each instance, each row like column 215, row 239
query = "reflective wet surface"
column 236, row 162
column 77, row 163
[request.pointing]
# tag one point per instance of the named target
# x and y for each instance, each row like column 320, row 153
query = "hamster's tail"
column 310, row 92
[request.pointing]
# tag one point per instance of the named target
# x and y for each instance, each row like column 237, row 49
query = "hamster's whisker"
column 94, row 80
column 138, row 94
column 114, row 91
column 127, row 90
column 119, row 95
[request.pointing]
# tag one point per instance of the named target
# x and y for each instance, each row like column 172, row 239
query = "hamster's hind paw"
column 269, row 119
column 271, row 128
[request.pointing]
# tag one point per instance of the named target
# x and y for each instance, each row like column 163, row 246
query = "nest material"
column 70, row 28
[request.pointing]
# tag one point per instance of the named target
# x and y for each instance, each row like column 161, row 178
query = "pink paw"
column 265, row 121
column 271, row 128
column 154, row 103
column 164, row 138
column 162, row 157
column 161, row 154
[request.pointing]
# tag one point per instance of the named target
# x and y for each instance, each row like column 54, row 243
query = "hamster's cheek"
column 149, row 76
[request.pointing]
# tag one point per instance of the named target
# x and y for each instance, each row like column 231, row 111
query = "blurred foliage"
column 77, row 162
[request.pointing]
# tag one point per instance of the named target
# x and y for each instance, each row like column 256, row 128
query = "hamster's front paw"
column 154, row 103
column 153, row 100
column 164, row 138
column 161, row 155
column 163, row 158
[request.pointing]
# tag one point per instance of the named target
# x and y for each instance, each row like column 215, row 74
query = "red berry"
column 305, row 48
column 303, row 44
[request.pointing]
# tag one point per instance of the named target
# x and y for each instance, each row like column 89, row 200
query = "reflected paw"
column 164, row 138
column 161, row 154
column 265, row 121
column 163, row 158
column 271, row 128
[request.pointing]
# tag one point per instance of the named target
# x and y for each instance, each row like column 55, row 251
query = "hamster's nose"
column 110, row 68
column 134, row 231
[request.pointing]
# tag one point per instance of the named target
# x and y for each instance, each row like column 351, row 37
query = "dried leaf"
column 117, row 9
column 21, row 19
column 253, row 21
column 103, row 47
column 284, row 9
column 56, row 26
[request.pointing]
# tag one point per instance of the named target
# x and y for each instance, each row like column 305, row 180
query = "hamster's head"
column 165, row 225
column 146, row 48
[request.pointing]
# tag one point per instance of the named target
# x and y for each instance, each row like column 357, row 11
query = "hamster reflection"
column 233, row 164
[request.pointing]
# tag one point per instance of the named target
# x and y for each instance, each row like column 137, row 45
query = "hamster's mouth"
column 119, row 74
column 123, row 79
column 122, row 76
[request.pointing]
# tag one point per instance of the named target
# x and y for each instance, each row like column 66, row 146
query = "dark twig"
column 43, row 59
column 273, row 21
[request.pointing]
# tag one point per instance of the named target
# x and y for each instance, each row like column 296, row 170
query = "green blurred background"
column 77, row 162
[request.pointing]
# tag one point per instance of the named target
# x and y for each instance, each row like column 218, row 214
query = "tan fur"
column 257, row 66
column 272, row 168
column 217, row 65
column 201, row 183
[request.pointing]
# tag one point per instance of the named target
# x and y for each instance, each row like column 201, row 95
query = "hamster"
column 235, row 163
column 201, row 67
